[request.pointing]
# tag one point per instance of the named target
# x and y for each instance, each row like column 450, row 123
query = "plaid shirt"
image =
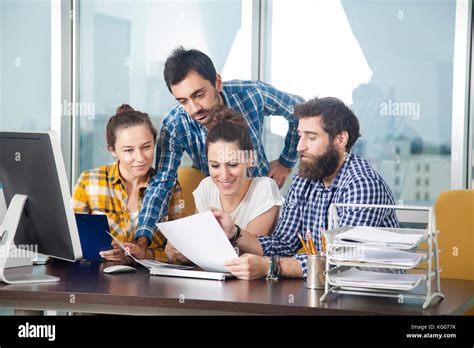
column 180, row 134
column 102, row 191
column 307, row 203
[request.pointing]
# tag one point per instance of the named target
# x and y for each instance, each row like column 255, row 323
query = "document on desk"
column 372, row 256
column 201, row 239
column 376, row 280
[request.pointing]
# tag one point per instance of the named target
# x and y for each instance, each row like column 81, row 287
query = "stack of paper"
column 376, row 236
column 376, row 257
column 376, row 280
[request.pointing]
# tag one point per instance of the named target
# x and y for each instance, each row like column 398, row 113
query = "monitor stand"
column 7, row 236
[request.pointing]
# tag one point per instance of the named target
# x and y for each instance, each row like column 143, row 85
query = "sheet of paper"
column 354, row 277
column 201, row 239
column 378, row 256
column 365, row 234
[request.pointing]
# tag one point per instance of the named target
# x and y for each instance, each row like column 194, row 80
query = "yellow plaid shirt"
column 102, row 191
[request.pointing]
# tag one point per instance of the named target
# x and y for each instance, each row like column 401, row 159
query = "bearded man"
column 328, row 173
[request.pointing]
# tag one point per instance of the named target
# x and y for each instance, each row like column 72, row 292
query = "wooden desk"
column 84, row 288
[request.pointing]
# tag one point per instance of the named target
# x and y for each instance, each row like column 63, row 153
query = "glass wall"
column 123, row 48
column 25, row 68
column 25, row 65
column 392, row 62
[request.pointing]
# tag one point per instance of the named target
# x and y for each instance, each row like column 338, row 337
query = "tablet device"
column 93, row 235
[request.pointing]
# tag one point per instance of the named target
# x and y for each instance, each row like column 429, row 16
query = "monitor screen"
column 31, row 164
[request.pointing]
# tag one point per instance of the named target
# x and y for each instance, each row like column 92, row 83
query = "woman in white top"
column 253, row 203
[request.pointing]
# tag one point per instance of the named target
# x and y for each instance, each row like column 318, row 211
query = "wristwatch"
column 237, row 234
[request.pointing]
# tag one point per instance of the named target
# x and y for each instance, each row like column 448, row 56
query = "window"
column 388, row 60
column 25, row 65
column 124, row 46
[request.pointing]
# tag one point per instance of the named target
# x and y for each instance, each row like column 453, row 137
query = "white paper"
column 201, row 239
column 365, row 234
column 377, row 256
column 354, row 277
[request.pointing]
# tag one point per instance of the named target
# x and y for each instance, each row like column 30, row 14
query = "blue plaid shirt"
column 180, row 134
column 307, row 204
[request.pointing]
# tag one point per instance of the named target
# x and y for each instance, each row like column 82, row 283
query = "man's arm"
column 279, row 103
column 158, row 193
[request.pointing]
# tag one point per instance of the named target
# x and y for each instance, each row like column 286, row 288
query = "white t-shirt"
column 263, row 193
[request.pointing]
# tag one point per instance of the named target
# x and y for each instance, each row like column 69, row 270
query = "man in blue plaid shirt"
column 192, row 79
column 328, row 173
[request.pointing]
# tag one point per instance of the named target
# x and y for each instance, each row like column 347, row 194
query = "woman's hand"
column 118, row 255
column 115, row 254
column 225, row 221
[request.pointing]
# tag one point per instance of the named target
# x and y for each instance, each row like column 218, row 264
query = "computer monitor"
column 39, row 214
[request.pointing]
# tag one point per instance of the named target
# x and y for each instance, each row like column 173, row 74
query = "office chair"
column 455, row 222
column 189, row 179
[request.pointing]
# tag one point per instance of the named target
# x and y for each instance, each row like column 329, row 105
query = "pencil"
column 302, row 242
column 323, row 241
column 310, row 242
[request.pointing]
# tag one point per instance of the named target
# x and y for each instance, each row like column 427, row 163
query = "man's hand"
column 278, row 172
column 174, row 255
column 142, row 242
column 248, row 266
column 137, row 251
column 225, row 221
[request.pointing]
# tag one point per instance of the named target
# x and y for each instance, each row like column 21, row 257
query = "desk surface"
column 84, row 288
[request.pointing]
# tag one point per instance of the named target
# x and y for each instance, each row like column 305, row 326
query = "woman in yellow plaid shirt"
column 117, row 189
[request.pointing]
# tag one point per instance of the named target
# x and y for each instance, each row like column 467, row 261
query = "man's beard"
column 321, row 166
